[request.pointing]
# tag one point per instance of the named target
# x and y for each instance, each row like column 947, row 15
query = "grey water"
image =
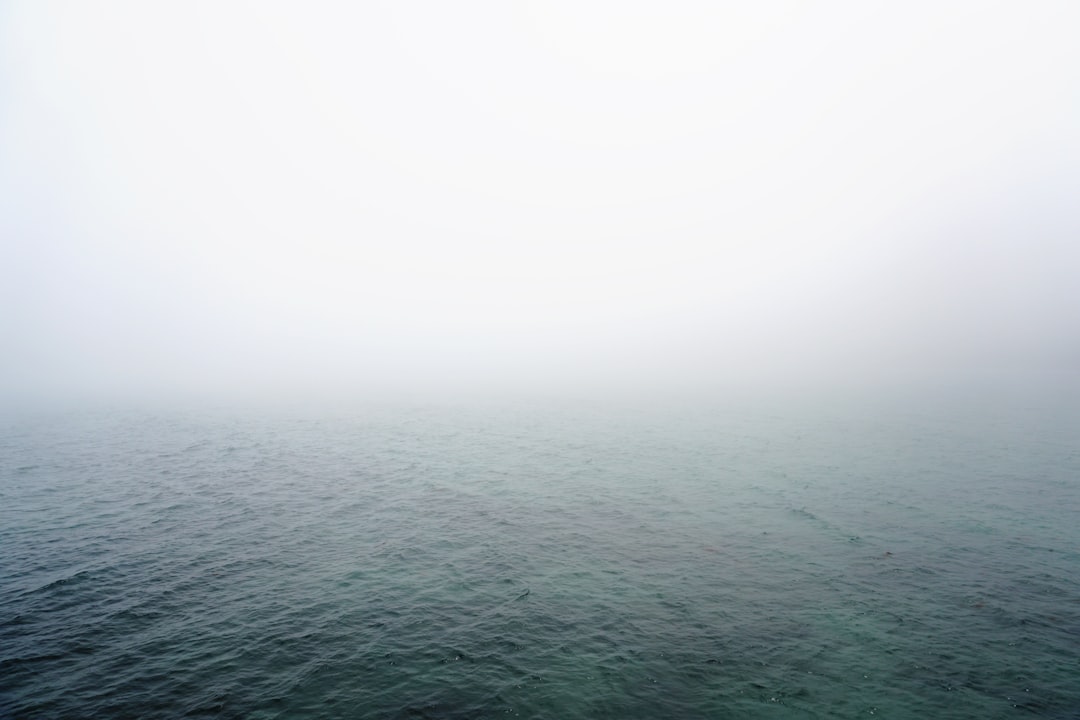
column 694, row 560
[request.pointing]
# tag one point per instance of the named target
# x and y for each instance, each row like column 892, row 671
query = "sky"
column 216, row 196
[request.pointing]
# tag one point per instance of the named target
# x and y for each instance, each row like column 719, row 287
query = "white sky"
column 201, row 195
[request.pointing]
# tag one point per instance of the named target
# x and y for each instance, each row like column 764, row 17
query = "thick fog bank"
column 241, row 202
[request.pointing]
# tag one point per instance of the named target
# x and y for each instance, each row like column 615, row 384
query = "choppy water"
column 704, row 562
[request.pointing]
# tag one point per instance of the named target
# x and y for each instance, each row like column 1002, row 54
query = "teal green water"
column 701, row 561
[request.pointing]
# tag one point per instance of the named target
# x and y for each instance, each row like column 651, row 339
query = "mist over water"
column 256, row 198
column 560, row 359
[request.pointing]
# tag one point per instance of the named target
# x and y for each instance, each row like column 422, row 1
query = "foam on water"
column 453, row 563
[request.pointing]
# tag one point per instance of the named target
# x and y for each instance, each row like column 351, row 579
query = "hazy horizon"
column 236, row 198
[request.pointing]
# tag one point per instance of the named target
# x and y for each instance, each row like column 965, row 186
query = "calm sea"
column 703, row 560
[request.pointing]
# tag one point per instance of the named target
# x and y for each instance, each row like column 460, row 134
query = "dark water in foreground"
column 447, row 563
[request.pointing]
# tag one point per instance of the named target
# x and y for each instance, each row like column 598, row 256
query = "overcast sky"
column 197, row 196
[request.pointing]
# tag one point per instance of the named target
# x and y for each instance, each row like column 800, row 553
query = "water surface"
column 695, row 561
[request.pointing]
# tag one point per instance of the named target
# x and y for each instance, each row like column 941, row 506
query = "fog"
column 209, row 198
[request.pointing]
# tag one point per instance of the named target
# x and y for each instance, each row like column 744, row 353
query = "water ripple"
column 448, row 564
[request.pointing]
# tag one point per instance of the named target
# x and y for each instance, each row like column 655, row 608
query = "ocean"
column 697, row 559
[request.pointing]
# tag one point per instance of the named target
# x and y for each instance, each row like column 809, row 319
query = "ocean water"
column 702, row 560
